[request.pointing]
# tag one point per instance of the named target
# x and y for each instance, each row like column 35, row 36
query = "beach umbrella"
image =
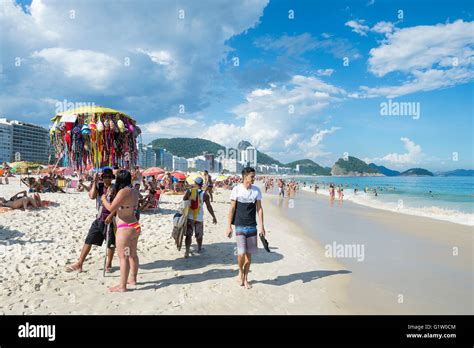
column 191, row 177
column 23, row 166
column 94, row 136
column 221, row 178
column 153, row 171
column 178, row 175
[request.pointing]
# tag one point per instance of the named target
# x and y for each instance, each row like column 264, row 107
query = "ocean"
column 444, row 198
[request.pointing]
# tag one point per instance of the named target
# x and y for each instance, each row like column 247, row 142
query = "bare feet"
column 117, row 288
column 74, row 267
column 108, row 269
column 240, row 279
column 247, row 285
column 132, row 280
column 186, row 254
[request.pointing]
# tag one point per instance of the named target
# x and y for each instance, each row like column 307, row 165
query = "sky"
column 389, row 82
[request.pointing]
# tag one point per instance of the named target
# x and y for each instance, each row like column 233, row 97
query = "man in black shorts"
column 98, row 229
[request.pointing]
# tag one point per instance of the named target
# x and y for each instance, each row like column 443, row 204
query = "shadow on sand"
column 216, row 253
column 305, row 277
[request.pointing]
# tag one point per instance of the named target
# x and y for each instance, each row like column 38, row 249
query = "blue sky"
column 290, row 94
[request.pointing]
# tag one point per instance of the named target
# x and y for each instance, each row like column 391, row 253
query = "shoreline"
column 401, row 252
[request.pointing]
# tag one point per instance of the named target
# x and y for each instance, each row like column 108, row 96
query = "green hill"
column 416, row 172
column 384, row 170
column 353, row 166
column 308, row 167
column 192, row 147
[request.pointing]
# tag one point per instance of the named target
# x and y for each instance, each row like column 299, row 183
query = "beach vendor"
column 198, row 198
column 245, row 206
column 97, row 232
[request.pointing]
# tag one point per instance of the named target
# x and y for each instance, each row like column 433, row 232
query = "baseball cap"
column 198, row 180
column 108, row 171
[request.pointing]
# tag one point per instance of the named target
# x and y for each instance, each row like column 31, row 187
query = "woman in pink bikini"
column 125, row 205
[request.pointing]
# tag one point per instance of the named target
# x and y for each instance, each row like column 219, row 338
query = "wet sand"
column 409, row 266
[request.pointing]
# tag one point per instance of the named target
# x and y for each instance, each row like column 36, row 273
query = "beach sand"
column 35, row 246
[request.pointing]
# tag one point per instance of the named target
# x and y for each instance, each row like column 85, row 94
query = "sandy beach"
column 403, row 255
column 295, row 278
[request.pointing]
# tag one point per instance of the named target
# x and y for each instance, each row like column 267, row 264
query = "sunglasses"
column 107, row 176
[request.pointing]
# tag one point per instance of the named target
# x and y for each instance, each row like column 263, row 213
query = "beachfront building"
column 210, row 159
column 251, row 156
column 29, row 140
column 180, row 163
column 248, row 157
column 232, row 165
column 164, row 159
column 146, row 156
column 6, row 141
column 198, row 163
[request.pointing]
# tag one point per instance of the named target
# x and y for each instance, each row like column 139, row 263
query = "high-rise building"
column 164, row 159
column 209, row 157
column 6, row 141
column 231, row 165
column 29, row 140
column 146, row 156
column 251, row 156
column 180, row 163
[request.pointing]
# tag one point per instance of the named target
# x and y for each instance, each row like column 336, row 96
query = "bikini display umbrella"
column 153, row 171
column 94, row 136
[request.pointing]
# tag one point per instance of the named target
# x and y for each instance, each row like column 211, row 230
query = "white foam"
column 432, row 212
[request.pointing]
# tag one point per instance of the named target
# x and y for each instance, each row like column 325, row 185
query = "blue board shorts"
column 246, row 239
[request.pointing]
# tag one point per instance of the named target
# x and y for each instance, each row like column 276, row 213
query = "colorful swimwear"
column 135, row 225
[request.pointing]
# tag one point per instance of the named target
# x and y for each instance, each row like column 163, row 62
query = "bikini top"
column 135, row 207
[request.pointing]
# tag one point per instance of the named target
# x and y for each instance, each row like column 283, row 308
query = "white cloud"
column 281, row 119
column 172, row 61
column 422, row 47
column 413, row 155
column 431, row 57
column 383, row 27
column 95, row 68
column 169, row 127
column 358, row 26
column 423, row 81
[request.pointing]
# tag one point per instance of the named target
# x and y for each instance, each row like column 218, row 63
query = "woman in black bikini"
column 128, row 228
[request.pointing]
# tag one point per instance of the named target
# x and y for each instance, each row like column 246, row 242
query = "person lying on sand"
column 21, row 202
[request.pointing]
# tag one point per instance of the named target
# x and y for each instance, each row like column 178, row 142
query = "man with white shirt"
column 245, row 206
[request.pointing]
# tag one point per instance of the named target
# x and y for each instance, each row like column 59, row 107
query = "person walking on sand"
column 245, row 206
column 98, row 230
column 281, row 188
column 198, row 198
column 125, row 205
column 208, row 185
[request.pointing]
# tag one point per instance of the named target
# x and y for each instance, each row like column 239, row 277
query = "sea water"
column 444, row 198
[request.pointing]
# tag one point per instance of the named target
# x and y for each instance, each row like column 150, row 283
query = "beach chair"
column 157, row 202
column 61, row 183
